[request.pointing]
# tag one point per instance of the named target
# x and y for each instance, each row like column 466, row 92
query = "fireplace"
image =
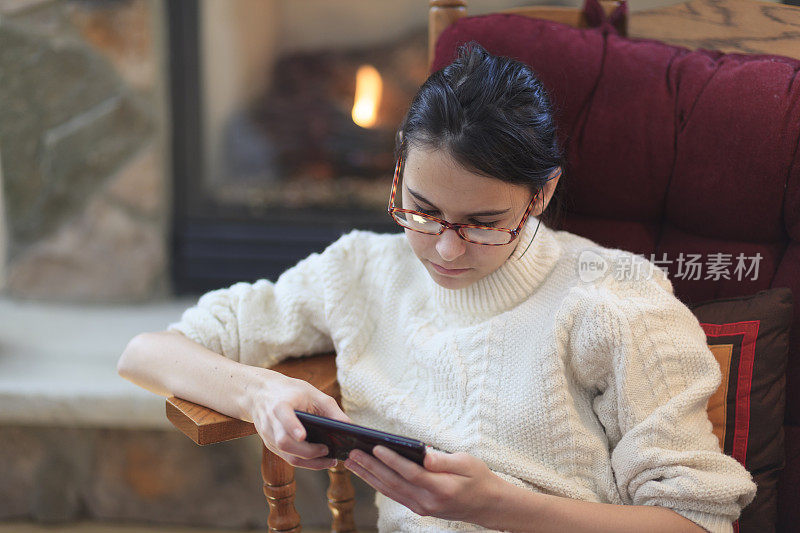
column 284, row 120
column 267, row 175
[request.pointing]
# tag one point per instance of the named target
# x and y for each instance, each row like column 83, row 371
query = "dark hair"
column 493, row 116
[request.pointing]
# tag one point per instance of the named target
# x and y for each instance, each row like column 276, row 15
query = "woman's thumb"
column 332, row 410
column 437, row 461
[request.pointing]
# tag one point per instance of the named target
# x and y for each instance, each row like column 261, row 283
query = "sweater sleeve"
column 645, row 355
column 262, row 323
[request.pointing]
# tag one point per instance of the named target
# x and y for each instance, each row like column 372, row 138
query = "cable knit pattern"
column 594, row 390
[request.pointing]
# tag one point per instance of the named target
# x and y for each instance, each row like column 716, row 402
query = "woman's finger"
column 409, row 498
column 410, row 470
column 328, row 407
column 378, row 484
column 284, row 413
column 321, row 463
column 378, row 469
column 454, row 463
column 288, row 443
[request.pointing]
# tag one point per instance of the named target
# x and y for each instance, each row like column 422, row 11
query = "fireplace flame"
column 369, row 86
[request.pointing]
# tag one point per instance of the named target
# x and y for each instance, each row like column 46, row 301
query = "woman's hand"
column 454, row 486
column 461, row 487
column 272, row 412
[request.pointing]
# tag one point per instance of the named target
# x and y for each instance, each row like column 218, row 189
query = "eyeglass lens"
column 431, row 227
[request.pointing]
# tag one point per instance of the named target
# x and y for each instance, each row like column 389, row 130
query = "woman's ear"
column 547, row 191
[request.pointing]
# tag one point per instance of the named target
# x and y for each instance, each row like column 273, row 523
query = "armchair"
column 626, row 218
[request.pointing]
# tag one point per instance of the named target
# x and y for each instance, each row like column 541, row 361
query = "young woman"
column 554, row 401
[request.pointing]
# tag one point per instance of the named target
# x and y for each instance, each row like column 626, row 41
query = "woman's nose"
column 450, row 246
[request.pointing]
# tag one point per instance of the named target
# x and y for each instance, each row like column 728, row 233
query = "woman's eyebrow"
column 479, row 214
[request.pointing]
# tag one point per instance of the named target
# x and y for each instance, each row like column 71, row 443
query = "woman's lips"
column 448, row 271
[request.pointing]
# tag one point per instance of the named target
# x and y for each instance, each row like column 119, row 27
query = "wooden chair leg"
column 341, row 499
column 279, row 488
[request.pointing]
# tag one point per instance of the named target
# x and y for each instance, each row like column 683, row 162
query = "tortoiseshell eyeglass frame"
column 512, row 233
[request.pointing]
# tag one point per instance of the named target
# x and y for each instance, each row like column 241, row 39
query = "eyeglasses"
column 430, row 225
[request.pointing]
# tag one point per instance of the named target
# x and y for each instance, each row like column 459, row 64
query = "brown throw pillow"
column 749, row 336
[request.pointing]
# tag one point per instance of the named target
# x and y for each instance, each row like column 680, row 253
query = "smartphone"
column 341, row 437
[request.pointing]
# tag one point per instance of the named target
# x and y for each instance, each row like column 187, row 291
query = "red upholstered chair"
column 669, row 152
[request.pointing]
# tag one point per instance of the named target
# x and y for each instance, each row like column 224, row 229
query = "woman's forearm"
column 517, row 509
column 169, row 364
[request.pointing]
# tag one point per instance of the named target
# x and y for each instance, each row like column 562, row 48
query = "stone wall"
column 56, row 475
column 82, row 144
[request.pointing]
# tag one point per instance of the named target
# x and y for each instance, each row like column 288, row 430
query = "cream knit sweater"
column 588, row 389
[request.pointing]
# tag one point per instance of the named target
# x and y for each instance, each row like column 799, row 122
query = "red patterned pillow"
column 749, row 336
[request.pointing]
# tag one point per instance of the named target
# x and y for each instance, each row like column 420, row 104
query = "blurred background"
column 151, row 150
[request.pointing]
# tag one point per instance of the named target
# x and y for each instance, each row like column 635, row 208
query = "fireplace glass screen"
column 285, row 115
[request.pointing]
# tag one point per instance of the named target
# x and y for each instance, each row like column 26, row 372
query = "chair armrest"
column 206, row 426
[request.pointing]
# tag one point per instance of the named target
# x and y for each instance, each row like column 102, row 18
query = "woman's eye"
column 424, row 211
column 435, row 213
column 487, row 224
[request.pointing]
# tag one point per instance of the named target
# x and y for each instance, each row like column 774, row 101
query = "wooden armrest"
column 206, row 426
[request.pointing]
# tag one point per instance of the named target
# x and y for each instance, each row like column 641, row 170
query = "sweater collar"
column 513, row 282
